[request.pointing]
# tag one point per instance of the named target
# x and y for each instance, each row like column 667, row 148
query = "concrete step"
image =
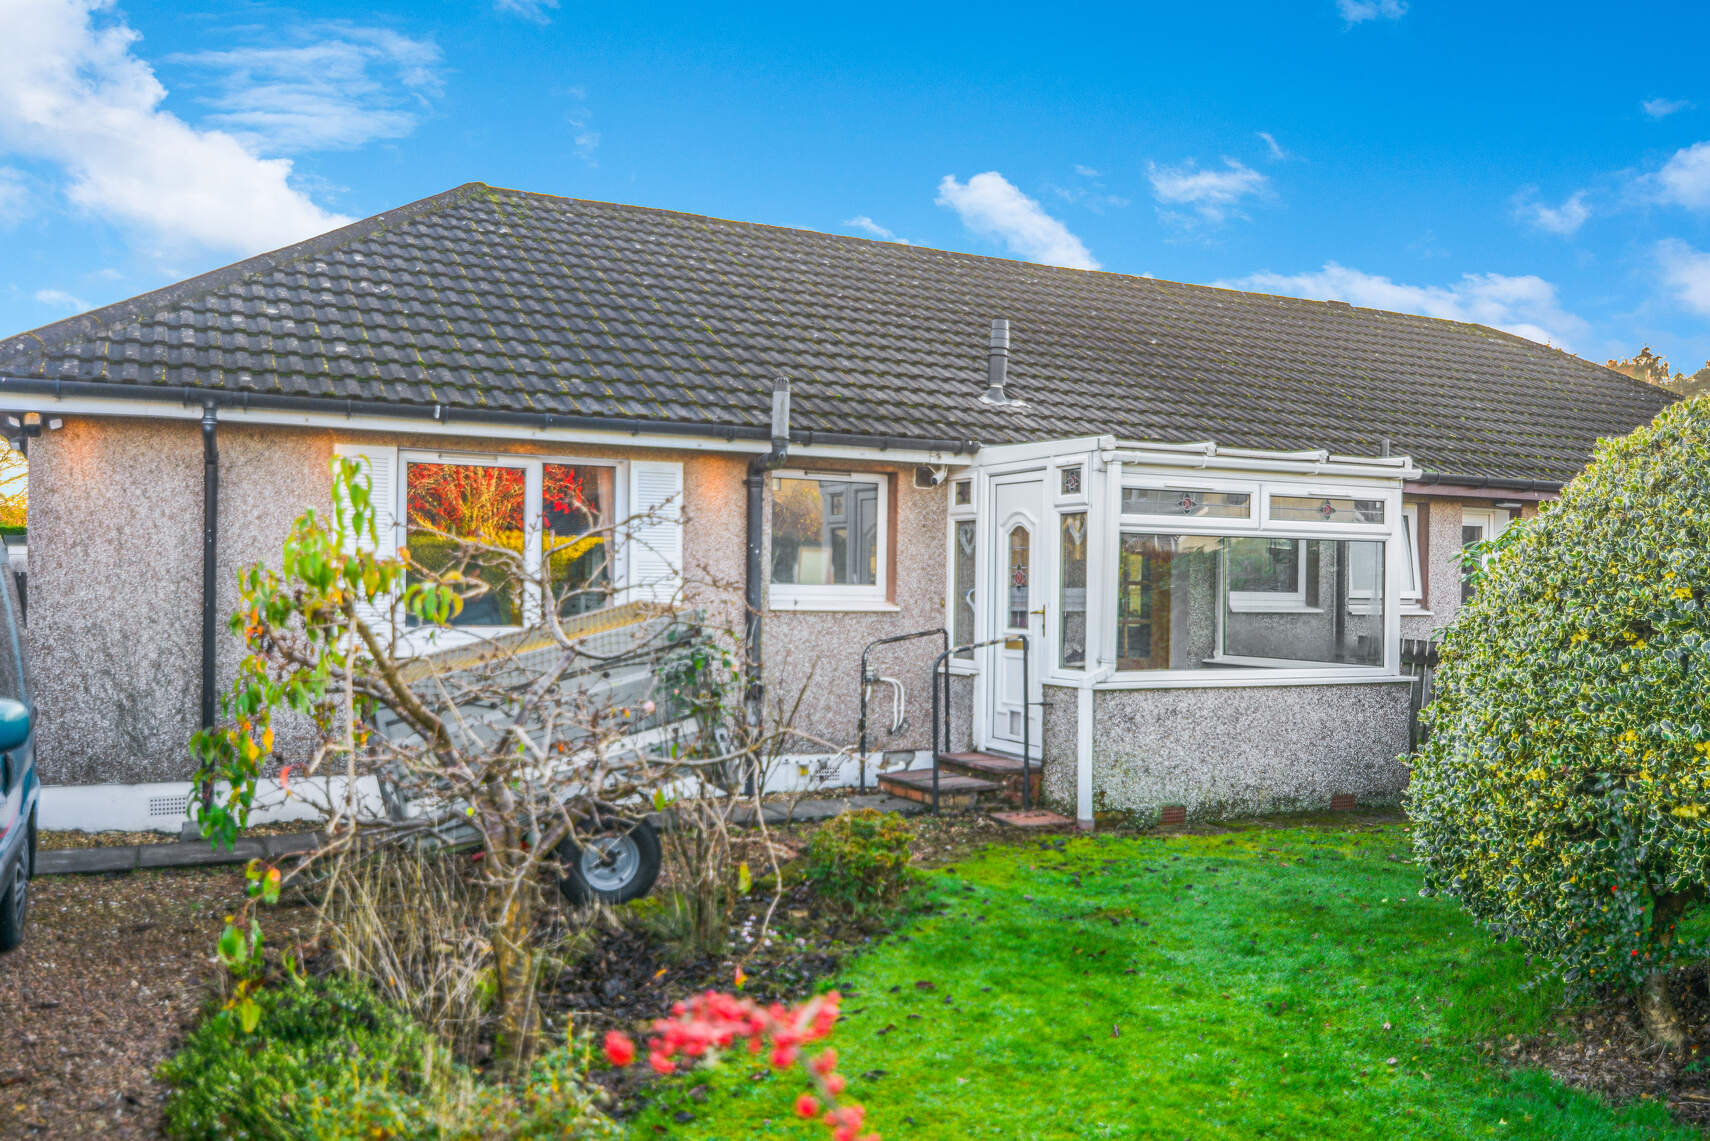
column 993, row 766
column 1036, row 818
column 955, row 790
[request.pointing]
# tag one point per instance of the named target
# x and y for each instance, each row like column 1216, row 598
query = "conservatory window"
column 1325, row 509
column 1177, row 603
column 1198, row 502
column 1072, row 576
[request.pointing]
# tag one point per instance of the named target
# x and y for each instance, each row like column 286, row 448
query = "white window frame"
column 1267, row 671
column 532, row 467
column 790, row 596
column 959, row 513
column 1412, row 591
column 1182, row 524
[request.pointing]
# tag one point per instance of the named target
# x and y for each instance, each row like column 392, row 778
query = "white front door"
column 1017, row 601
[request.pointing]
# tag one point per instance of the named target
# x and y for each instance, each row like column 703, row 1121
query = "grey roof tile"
column 488, row 298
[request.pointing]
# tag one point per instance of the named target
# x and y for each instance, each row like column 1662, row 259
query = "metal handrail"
column 873, row 645
column 1026, row 714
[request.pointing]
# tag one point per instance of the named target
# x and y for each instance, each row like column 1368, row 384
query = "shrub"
column 859, row 860
column 331, row 1062
column 1564, row 792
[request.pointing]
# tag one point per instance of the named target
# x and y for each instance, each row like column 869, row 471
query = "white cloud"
column 1276, row 148
column 342, row 86
column 1565, row 219
column 535, row 10
column 988, row 204
column 1685, row 179
column 1359, row 11
column 1526, row 305
column 1687, row 272
column 1214, row 194
column 1662, row 108
column 73, row 94
column 867, row 226
column 60, row 299
column 1093, row 196
column 583, row 136
column 1085, row 171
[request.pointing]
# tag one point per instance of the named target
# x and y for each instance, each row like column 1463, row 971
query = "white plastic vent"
column 169, row 805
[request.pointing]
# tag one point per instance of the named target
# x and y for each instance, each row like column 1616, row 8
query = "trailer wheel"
column 612, row 868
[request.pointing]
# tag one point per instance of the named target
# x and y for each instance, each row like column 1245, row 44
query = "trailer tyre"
column 612, row 868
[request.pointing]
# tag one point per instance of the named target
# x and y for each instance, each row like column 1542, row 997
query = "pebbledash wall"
column 114, row 628
column 1231, row 751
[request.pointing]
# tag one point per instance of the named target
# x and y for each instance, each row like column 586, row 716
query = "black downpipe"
column 210, row 564
column 754, row 582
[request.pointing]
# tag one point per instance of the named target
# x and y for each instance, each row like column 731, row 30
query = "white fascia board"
column 228, row 414
column 1378, row 470
column 1002, row 455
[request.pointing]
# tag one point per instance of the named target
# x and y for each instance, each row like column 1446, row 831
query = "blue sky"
column 1541, row 167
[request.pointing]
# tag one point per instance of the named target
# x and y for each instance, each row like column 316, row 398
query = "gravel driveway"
column 112, row 971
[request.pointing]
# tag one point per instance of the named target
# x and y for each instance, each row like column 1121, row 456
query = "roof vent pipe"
column 997, row 365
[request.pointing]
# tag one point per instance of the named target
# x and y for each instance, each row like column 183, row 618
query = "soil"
column 113, row 969
column 1605, row 1049
column 64, row 841
column 628, row 975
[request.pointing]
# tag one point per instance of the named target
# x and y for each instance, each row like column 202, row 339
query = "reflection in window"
column 576, row 517
column 1176, row 608
column 1073, row 604
column 962, row 611
column 1019, row 564
column 1325, row 509
column 477, row 503
column 825, row 532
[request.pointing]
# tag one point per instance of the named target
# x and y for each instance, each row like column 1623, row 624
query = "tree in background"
column 1652, row 369
column 14, row 488
column 1563, row 795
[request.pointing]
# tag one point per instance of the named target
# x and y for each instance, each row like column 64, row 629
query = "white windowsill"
column 1246, row 679
column 1414, row 611
column 832, row 605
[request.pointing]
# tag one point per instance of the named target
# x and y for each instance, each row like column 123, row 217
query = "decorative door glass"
column 1020, row 567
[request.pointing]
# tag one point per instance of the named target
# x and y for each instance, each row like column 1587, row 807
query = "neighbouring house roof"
column 504, row 301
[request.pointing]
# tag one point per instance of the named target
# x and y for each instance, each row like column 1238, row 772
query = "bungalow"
column 1189, row 527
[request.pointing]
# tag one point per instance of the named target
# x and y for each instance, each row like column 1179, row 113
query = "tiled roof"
column 502, row 300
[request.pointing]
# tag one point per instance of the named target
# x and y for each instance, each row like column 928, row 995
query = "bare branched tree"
column 552, row 751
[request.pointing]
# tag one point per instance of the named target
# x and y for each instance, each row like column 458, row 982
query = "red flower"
column 807, row 1106
column 620, row 1051
column 661, row 1063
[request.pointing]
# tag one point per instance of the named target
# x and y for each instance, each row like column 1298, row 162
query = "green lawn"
column 1277, row 983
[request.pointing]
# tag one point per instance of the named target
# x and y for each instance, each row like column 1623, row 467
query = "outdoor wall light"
column 1508, row 504
column 31, row 424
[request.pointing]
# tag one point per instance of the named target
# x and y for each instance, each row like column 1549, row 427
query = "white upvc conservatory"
column 1145, row 566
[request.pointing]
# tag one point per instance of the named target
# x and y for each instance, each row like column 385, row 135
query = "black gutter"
column 753, row 596
column 1495, row 483
column 444, row 414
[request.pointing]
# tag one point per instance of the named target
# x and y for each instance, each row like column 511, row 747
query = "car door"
column 16, row 767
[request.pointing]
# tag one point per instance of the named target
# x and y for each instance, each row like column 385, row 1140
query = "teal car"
column 20, row 788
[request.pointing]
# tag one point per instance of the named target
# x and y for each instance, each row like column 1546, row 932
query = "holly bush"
column 1563, row 792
